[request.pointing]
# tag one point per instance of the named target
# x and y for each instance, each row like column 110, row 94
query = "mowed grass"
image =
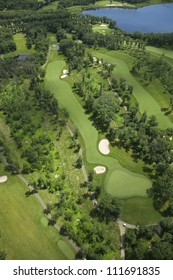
column 66, row 99
column 160, row 51
column 101, row 28
column 118, row 179
column 146, row 101
column 25, row 234
column 141, row 211
column 20, row 40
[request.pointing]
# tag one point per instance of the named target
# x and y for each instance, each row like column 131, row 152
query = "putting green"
column 118, row 179
column 67, row 99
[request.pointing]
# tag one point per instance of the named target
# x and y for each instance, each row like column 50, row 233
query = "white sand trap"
column 3, row 179
column 104, row 147
column 103, row 25
column 65, row 72
column 64, row 76
column 100, row 169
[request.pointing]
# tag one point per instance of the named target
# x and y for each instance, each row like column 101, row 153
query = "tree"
column 161, row 250
column 2, row 255
column 78, row 163
column 109, row 205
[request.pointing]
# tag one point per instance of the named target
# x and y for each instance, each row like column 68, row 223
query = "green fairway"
column 66, row 99
column 20, row 40
column 24, row 231
column 146, row 101
column 160, row 51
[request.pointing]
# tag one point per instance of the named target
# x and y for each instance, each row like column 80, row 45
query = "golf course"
column 120, row 181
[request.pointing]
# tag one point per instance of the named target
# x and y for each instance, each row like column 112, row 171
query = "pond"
column 154, row 18
column 22, row 56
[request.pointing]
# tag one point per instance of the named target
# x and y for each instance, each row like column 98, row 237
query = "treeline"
column 20, row 109
column 134, row 1
column 12, row 67
column 164, row 40
column 142, row 136
column 23, row 4
column 70, row 3
column 149, row 68
column 6, row 41
column 151, row 242
column 18, row 4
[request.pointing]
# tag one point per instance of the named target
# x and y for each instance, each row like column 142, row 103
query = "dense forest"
column 70, row 3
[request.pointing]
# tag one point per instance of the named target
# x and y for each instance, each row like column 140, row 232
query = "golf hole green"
column 122, row 183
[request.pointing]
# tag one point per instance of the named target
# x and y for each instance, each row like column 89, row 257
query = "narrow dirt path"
column 122, row 227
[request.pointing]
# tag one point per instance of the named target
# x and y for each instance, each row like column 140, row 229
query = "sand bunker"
column 104, row 147
column 99, row 169
column 3, row 179
column 65, row 74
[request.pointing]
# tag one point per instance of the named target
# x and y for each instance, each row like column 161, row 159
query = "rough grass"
column 141, row 211
column 146, row 101
column 24, row 232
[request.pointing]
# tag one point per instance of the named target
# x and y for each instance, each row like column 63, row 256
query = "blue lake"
column 155, row 18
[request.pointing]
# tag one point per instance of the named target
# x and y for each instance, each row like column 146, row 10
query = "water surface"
column 155, row 18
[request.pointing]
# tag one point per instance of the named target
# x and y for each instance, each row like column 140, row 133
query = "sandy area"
column 103, row 25
column 64, row 76
column 99, row 169
column 3, row 179
column 104, row 147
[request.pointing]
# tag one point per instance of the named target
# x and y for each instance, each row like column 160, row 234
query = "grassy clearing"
column 101, row 28
column 146, row 101
column 66, row 99
column 50, row 6
column 24, row 233
column 141, row 211
column 105, row 3
column 20, row 41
